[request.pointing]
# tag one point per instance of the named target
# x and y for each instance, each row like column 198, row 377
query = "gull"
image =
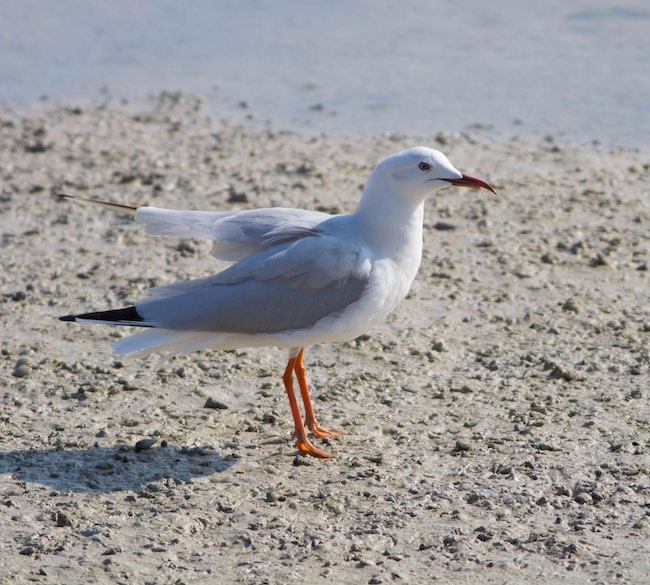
column 298, row 277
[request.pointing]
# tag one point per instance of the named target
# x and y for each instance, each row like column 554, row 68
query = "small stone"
column 462, row 446
column 570, row 306
column 237, row 197
column 448, row 540
column 111, row 551
column 22, row 371
column 144, row 444
column 18, row 296
column 215, row 404
column 27, row 550
column 464, row 389
column 503, row 469
column 301, row 461
column 562, row 373
column 484, row 536
column 444, row 226
column 549, row 258
column 186, row 248
column 547, row 447
column 37, row 146
column 583, row 498
column 598, row 260
column 62, row 519
column 439, row 345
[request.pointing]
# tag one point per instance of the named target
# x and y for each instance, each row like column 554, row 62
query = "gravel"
column 497, row 424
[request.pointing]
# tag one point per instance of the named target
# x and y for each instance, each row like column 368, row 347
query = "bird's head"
column 415, row 173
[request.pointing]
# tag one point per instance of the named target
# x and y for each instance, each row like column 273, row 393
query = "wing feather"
column 291, row 286
column 236, row 234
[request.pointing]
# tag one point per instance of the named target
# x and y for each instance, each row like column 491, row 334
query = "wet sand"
column 497, row 423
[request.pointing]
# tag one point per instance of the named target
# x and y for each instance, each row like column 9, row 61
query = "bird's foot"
column 306, row 446
column 323, row 433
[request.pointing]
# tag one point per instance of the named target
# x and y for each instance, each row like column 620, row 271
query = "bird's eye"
column 424, row 166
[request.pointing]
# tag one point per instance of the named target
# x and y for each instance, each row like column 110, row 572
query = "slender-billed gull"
column 299, row 277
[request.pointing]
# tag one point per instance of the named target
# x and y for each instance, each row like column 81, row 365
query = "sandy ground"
column 498, row 424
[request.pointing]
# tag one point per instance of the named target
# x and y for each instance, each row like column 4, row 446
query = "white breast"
column 389, row 283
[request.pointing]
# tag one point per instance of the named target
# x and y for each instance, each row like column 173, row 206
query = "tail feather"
column 151, row 340
column 129, row 209
column 167, row 342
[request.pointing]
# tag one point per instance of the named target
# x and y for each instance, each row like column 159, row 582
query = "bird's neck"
column 390, row 223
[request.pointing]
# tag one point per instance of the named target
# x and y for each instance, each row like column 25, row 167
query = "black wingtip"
column 126, row 316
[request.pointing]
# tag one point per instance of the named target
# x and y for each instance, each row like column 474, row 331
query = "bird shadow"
column 110, row 469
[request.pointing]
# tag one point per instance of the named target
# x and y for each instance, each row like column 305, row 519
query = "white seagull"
column 299, row 278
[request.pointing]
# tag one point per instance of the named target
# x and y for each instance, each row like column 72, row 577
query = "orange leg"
column 302, row 442
column 310, row 417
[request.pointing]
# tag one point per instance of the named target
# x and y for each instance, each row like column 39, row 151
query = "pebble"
column 62, row 519
column 462, row 446
column 299, row 461
column 449, row 539
column 439, row 345
column 444, row 226
column 27, row 550
column 236, row 197
column 549, row 258
column 464, row 389
column 598, row 260
column 144, row 444
column 215, row 404
column 560, row 372
column 22, row 371
column 570, row 305
column 583, row 498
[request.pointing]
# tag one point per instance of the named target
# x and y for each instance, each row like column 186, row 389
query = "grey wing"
column 291, row 286
column 237, row 234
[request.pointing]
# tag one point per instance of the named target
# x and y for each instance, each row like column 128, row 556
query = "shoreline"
column 307, row 123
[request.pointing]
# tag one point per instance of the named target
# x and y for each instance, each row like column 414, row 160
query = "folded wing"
column 290, row 286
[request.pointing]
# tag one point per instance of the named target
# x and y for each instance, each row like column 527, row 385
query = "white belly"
column 387, row 286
